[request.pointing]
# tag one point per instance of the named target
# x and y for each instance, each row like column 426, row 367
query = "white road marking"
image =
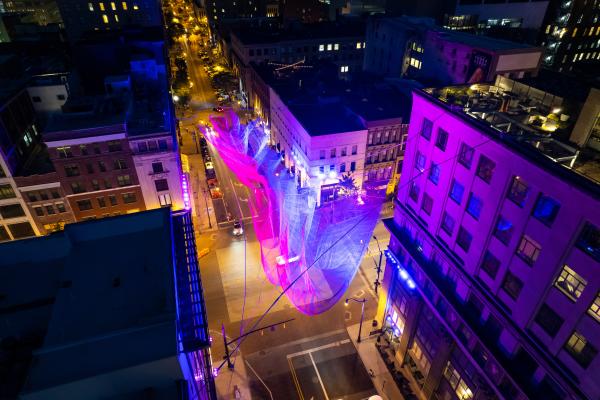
column 314, row 349
column 318, row 376
column 259, row 378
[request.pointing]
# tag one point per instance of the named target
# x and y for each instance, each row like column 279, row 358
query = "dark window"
column 120, row 164
column 102, row 166
column 55, row 194
column 77, row 187
column 442, row 139
column 490, row 264
column 60, row 207
column 21, row 230
column 518, row 191
column 434, row 173
column 3, row 234
column 321, row 154
column 162, row 144
column 96, row 149
column 161, row 185
column 2, row 173
column 589, row 241
column 83, row 150
column 157, row 167
column 152, row 145
column 528, row 250
column 84, row 205
column 546, row 209
column 123, row 180
column 101, row 202
column 107, row 184
column 354, row 150
column 420, row 161
column 44, row 195
column 512, row 285
column 504, row 230
column 448, row 224
column 464, row 239
column 114, row 145
column 113, row 200
column 72, row 170
column 90, row 168
column 485, row 168
column 414, row 192
column 39, row 211
column 60, row 96
column 32, row 196
column 129, row 198
column 427, row 204
column 549, row 320
column 12, row 211
column 50, row 210
column 426, row 128
column 579, row 348
column 142, row 147
column 36, row 99
column 456, row 191
column 465, row 157
column 95, row 184
column 7, row 192
column 353, row 166
column 474, row 206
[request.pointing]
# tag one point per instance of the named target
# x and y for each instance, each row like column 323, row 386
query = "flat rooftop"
column 327, row 119
column 480, row 41
column 112, row 294
column 304, row 32
column 533, row 122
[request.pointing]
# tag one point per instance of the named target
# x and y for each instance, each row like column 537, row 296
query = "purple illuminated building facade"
column 491, row 288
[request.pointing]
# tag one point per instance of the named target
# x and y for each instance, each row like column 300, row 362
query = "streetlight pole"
column 362, row 312
column 206, row 204
column 377, row 283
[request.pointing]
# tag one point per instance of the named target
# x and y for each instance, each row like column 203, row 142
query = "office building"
column 106, row 309
column 526, row 14
column 571, row 36
column 415, row 48
column 490, row 288
column 39, row 12
column 82, row 17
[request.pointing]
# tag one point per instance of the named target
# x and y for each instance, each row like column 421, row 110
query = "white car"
column 238, row 230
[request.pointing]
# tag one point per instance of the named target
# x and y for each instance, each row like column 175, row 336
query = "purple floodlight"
column 315, row 251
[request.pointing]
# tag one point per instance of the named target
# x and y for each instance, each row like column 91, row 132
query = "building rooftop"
column 303, row 32
column 109, row 295
column 531, row 121
column 480, row 41
column 326, row 119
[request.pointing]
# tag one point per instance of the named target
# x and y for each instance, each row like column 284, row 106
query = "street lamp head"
column 346, row 303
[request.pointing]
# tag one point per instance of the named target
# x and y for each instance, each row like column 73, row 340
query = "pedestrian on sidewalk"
column 371, row 373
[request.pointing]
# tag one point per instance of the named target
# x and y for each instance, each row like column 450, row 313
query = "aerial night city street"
column 300, row 200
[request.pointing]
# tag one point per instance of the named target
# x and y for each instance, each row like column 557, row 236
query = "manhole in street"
column 360, row 293
column 347, row 315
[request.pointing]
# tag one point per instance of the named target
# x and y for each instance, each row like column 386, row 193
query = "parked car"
column 218, row 109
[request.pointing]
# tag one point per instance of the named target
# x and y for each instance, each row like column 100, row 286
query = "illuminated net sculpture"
column 312, row 251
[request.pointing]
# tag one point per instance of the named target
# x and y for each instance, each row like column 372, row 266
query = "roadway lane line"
column 295, row 378
column 259, row 378
column 319, row 348
column 318, row 376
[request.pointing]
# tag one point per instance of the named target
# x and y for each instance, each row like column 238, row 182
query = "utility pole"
column 377, row 282
column 362, row 312
column 226, row 342
column 206, row 204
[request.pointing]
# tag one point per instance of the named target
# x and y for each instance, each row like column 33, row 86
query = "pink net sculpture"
column 312, row 252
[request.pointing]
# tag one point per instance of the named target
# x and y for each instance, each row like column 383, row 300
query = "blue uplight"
column 403, row 273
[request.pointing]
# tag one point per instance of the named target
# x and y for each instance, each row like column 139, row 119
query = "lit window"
column 465, row 157
column 135, row 7
column 434, row 173
column 589, row 241
column 546, row 209
column 358, row 45
column 124, row 5
column 344, row 68
column 116, row 18
column 105, row 18
column 594, row 309
column 503, row 230
column 329, row 47
column 101, row 6
column 570, row 283
column 528, row 250
column 90, row 6
column 336, row 46
column 459, row 386
column 456, row 191
column 113, row 6
column 474, row 205
column 321, row 47
column 426, row 128
column 578, row 347
column 415, row 63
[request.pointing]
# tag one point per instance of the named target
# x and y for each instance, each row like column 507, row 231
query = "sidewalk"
column 227, row 380
column 383, row 381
